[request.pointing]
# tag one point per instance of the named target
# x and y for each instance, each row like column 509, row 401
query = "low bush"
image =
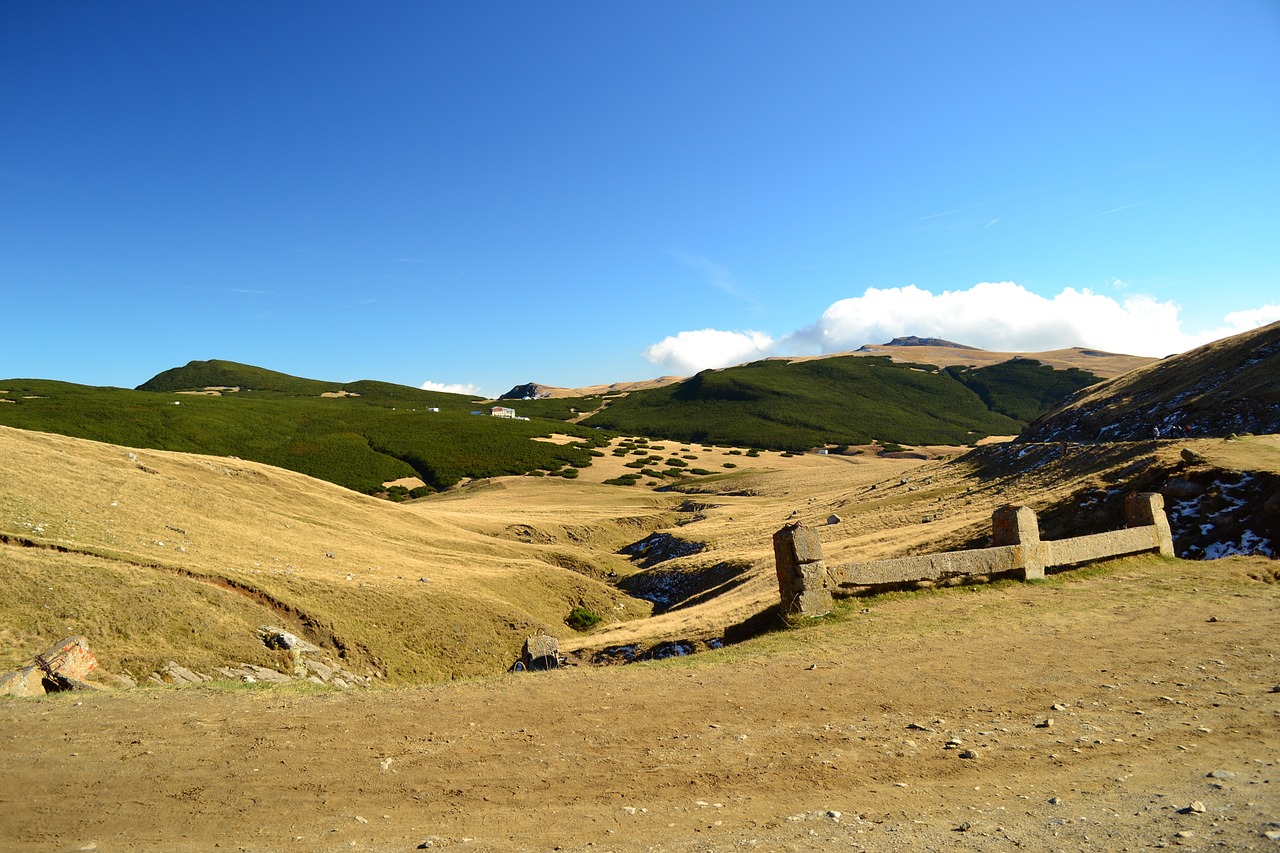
column 582, row 619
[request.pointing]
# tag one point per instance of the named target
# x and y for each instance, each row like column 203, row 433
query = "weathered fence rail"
column 807, row 584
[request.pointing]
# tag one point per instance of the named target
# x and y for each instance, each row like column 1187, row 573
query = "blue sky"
column 482, row 194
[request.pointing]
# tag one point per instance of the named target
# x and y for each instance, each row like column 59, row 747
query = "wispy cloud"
column 718, row 276
column 243, row 290
column 1107, row 212
column 976, row 204
column 992, row 222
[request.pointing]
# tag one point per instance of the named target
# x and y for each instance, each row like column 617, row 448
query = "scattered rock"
column 28, row 681
column 279, row 638
column 834, row 519
column 969, row 753
column 1055, row 801
column 174, row 673
column 1058, row 706
column 1221, row 774
column 1047, row 722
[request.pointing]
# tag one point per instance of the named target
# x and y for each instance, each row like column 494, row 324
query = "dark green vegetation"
column 851, row 400
column 582, row 619
column 385, row 433
column 1022, row 388
column 365, row 433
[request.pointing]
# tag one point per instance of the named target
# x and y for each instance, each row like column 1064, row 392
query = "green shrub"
column 582, row 619
column 728, row 465
column 701, row 472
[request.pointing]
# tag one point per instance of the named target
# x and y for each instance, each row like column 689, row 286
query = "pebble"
column 1055, row 801
column 969, row 753
column 1273, row 834
column 1221, row 774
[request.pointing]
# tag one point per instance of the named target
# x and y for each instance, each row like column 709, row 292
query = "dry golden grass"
column 209, row 548
column 341, row 568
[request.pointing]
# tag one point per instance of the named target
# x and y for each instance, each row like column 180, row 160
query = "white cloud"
column 455, row 388
column 998, row 316
column 1001, row 316
column 689, row 352
column 1243, row 321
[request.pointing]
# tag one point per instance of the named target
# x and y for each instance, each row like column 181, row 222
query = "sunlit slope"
column 1227, row 386
column 843, row 400
column 158, row 556
column 357, row 435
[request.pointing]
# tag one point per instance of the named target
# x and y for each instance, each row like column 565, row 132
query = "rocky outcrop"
column 659, row 547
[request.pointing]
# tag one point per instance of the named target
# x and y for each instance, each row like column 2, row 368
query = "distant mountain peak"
column 914, row 341
column 527, row 391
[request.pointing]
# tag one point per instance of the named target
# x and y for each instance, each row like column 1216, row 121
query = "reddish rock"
column 68, row 659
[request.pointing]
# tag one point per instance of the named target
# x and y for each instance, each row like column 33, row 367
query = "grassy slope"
column 355, row 441
column 1229, row 385
column 848, row 400
column 142, row 554
column 376, row 432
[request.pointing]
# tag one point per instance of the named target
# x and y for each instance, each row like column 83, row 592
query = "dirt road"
column 1085, row 714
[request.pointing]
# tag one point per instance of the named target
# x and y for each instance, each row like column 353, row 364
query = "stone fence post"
column 1146, row 509
column 1018, row 525
column 803, row 581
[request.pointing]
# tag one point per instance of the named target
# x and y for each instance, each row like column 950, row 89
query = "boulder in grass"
column 541, row 651
column 28, row 681
column 68, row 660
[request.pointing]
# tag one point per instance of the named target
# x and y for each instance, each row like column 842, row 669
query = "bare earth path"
column 1162, row 673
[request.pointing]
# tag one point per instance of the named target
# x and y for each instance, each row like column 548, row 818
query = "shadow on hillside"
column 765, row 622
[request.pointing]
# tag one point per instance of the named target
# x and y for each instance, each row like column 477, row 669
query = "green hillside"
column 362, row 434
column 843, row 400
column 385, row 433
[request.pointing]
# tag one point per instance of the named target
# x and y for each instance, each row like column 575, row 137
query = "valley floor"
column 1158, row 680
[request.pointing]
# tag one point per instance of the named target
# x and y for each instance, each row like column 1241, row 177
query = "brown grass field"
column 1153, row 672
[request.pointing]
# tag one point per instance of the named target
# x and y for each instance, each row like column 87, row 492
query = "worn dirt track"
column 1163, row 672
